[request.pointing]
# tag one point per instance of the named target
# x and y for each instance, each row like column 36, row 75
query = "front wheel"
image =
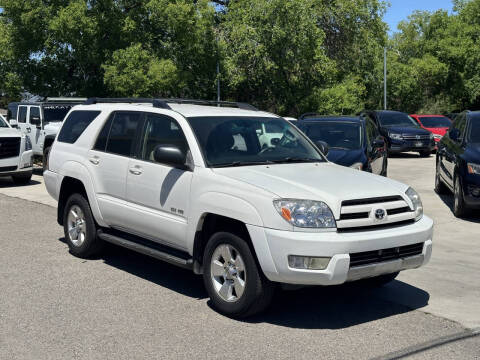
column 459, row 208
column 440, row 187
column 80, row 228
column 235, row 284
column 22, row 179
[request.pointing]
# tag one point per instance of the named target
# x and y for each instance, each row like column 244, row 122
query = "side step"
column 147, row 247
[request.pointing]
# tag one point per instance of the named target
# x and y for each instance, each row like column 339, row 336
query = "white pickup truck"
column 191, row 184
column 15, row 154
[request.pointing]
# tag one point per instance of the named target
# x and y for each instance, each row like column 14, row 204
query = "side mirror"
column 35, row 120
column 13, row 123
column 454, row 134
column 170, row 155
column 274, row 141
column 323, row 147
column 378, row 143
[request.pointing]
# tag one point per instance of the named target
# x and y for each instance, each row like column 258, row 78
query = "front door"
column 375, row 154
column 158, row 194
column 22, row 113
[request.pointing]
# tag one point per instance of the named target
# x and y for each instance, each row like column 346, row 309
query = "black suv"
column 348, row 141
column 458, row 162
column 402, row 132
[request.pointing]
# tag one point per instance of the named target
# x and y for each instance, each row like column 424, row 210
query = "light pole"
column 385, row 78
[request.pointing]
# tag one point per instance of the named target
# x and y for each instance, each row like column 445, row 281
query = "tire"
column 22, row 179
column 379, row 281
column 82, row 242
column 257, row 291
column 425, row 154
column 459, row 207
column 46, row 153
column 440, row 187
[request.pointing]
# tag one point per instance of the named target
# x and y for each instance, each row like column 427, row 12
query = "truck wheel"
column 236, row 286
column 46, row 152
column 459, row 208
column 80, row 228
column 22, row 179
column 379, row 281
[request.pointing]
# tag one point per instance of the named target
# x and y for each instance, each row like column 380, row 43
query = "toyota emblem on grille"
column 379, row 214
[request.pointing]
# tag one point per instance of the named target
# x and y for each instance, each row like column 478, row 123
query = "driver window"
column 459, row 126
column 34, row 117
column 161, row 130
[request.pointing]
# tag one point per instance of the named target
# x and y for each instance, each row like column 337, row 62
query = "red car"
column 437, row 124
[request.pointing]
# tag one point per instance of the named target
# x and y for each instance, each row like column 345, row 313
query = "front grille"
column 361, row 215
column 378, row 256
column 416, row 137
column 375, row 227
column 8, row 168
column 368, row 201
column 9, row 147
column 398, row 210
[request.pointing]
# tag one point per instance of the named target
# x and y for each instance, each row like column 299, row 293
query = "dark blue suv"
column 347, row 140
column 458, row 163
column 402, row 133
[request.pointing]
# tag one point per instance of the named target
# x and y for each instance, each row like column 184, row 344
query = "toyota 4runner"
column 190, row 183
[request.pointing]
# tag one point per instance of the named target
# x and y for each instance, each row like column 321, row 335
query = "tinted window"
column 75, row 125
column 22, row 114
column 474, row 133
column 435, row 121
column 396, row 119
column 3, row 124
column 12, row 112
column 460, row 123
column 123, row 132
column 236, row 141
column 338, row 135
column 160, row 129
column 371, row 131
column 34, row 113
column 55, row 112
column 101, row 142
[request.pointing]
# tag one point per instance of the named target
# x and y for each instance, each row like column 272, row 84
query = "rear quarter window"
column 75, row 124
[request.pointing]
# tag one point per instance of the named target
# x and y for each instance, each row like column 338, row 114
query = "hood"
column 9, row 132
column 346, row 157
column 326, row 182
column 439, row 131
column 410, row 130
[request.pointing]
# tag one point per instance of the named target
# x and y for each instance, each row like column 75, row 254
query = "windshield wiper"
column 242, row 163
column 295, row 160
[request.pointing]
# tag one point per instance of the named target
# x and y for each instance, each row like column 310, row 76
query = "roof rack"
column 163, row 103
column 65, row 99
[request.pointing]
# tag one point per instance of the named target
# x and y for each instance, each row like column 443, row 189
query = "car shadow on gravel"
column 8, row 183
column 472, row 216
column 408, row 155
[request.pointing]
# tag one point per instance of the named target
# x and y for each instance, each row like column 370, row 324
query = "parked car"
column 458, row 163
column 190, row 184
column 438, row 125
column 15, row 154
column 350, row 141
column 401, row 132
column 41, row 121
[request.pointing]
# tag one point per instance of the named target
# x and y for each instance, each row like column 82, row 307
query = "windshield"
column 435, row 121
column 338, row 135
column 397, row 119
column 55, row 112
column 3, row 123
column 474, row 136
column 236, row 141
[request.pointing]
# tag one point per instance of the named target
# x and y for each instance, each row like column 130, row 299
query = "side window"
column 123, row 132
column 22, row 114
column 102, row 138
column 75, row 124
column 459, row 126
column 273, row 128
column 34, row 117
column 370, row 130
column 161, row 129
column 12, row 112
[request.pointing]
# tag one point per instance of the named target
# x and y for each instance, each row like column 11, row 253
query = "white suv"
column 15, row 154
column 189, row 183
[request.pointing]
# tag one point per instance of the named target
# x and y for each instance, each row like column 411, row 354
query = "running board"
column 147, row 247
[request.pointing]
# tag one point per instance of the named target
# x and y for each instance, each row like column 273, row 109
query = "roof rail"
column 163, row 103
column 65, row 99
column 308, row 115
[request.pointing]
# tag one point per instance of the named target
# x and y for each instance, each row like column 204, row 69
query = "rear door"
column 108, row 163
column 158, row 194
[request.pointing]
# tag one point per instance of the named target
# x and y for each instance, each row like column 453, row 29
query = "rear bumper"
column 273, row 247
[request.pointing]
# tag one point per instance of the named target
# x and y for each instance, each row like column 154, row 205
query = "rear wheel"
column 22, row 179
column 459, row 208
column 80, row 228
column 235, row 284
column 425, row 153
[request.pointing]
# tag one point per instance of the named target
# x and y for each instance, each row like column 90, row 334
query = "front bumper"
column 399, row 146
column 16, row 165
column 272, row 248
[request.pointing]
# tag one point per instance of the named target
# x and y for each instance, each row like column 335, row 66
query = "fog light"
column 307, row 262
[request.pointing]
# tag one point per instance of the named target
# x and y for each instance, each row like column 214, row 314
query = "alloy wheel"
column 227, row 273
column 77, row 227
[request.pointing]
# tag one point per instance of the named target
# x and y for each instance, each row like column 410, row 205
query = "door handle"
column 94, row 160
column 135, row 171
column 29, row 130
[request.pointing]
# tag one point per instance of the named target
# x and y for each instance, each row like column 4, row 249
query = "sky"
column 400, row 9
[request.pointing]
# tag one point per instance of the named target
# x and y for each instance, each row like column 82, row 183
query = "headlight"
column 431, row 136
column 473, row 168
column 417, row 203
column 438, row 137
column 395, row 136
column 28, row 143
column 305, row 213
column 357, row 166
